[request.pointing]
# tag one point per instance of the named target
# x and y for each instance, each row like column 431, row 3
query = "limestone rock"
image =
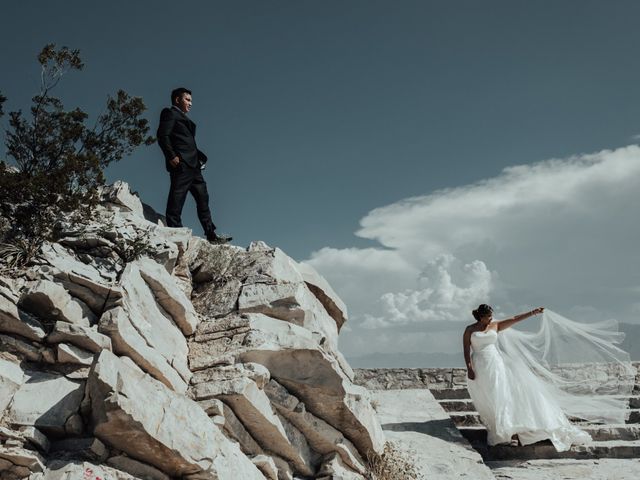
column 266, row 465
column 11, row 378
column 128, row 341
column 253, row 371
column 322, row 437
column 50, row 301
column 325, row 294
column 18, row 457
column 334, row 469
column 80, row 470
column 136, row 468
column 14, row 320
column 292, row 302
column 88, row 448
column 169, row 295
column 235, row 430
column 70, row 354
column 296, row 360
column 82, row 337
column 46, row 401
column 81, row 280
column 120, row 194
column 21, row 349
column 154, row 325
column 251, row 405
column 172, row 433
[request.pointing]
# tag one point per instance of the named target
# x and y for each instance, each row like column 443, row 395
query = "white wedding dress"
column 511, row 404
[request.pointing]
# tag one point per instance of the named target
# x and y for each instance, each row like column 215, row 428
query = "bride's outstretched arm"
column 466, row 348
column 502, row 324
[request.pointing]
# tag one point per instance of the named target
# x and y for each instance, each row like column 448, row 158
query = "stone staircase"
column 609, row 441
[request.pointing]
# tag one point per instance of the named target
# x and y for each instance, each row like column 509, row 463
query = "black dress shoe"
column 219, row 239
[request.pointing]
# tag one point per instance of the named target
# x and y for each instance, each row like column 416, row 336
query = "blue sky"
column 316, row 113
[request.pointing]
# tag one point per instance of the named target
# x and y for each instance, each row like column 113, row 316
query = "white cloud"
column 563, row 233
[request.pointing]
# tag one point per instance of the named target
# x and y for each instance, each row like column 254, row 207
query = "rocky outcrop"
column 134, row 351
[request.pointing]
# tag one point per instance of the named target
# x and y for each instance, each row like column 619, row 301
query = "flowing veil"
column 580, row 365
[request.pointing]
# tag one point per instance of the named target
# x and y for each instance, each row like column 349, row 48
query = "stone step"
column 462, row 405
column 463, row 419
column 455, row 393
column 608, row 449
column 599, row 433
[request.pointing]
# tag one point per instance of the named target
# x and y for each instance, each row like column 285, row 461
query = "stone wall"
column 439, row 378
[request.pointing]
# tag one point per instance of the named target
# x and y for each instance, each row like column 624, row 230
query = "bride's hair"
column 482, row 311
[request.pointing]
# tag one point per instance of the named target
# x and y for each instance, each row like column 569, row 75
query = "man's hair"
column 178, row 92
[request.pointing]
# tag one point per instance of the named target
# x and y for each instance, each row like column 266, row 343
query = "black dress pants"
column 188, row 179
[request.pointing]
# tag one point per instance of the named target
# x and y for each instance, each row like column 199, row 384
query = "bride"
column 524, row 384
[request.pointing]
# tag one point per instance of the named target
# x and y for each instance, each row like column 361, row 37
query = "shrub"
column 59, row 161
column 392, row 464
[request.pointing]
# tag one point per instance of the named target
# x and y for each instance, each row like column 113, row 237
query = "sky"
column 424, row 156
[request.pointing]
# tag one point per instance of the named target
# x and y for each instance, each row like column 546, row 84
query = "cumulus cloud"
column 561, row 233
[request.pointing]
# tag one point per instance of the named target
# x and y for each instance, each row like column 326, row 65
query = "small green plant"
column 392, row 464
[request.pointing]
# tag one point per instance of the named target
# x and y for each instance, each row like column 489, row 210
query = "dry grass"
column 392, row 464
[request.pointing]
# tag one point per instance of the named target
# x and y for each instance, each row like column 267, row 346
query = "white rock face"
column 119, row 194
column 296, row 360
column 140, row 329
column 50, row 301
column 83, row 337
column 169, row 295
column 171, row 433
column 11, row 378
column 325, row 294
column 13, row 320
column 48, row 412
column 181, row 359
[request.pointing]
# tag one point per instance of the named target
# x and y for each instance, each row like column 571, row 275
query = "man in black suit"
column 184, row 162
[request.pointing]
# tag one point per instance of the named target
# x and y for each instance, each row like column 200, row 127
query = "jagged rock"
column 51, row 302
column 48, row 412
column 234, row 429
column 74, row 425
column 171, row 433
column 11, row 378
column 87, row 338
column 168, row 295
column 212, row 407
column 21, row 349
column 158, row 330
column 266, row 465
column 296, row 360
column 35, row 437
column 127, row 341
column 16, row 457
column 81, row 280
column 14, row 320
column 70, row 354
column 253, row 371
column 322, row 437
column 251, row 405
column 119, row 194
column 89, row 448
column 324, row 293
column 80, row 470
column 136, row 468
column 334, row 469
column 292, row 302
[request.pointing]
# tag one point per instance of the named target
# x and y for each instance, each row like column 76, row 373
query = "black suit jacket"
column 177, row 136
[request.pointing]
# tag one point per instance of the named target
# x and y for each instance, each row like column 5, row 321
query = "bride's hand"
column 537, row 311
column 471, row 374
